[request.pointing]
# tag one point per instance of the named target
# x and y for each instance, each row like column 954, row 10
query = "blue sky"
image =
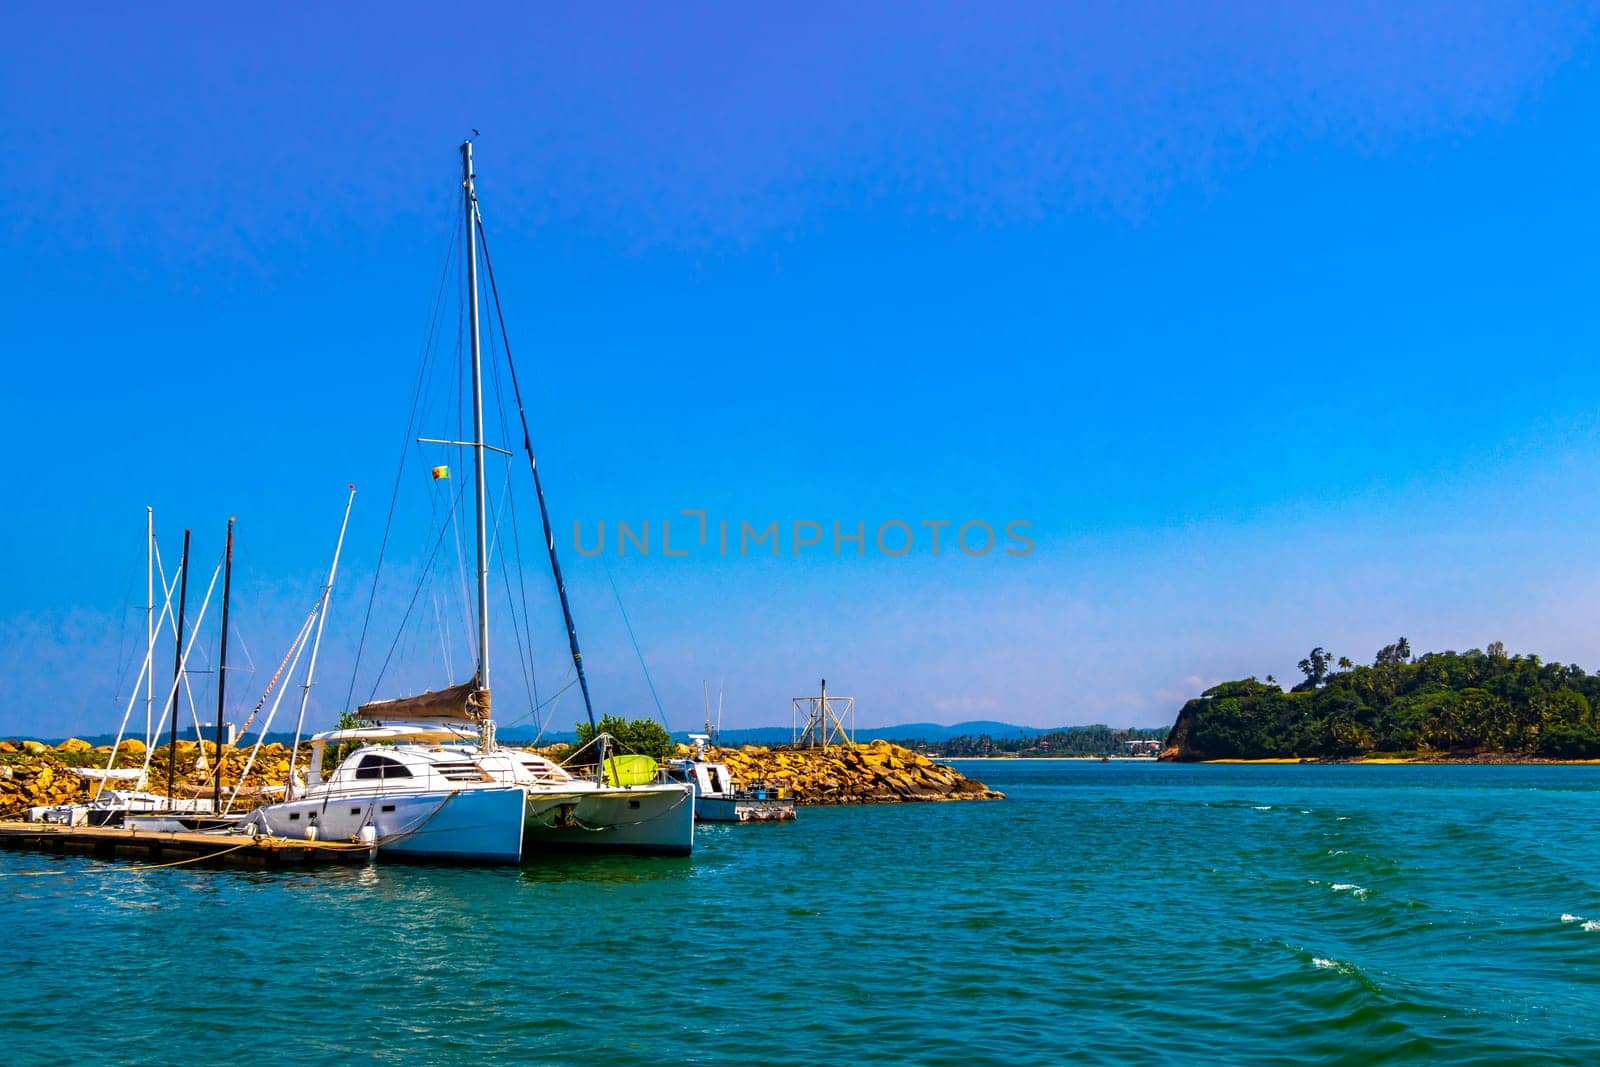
column 1276, row 324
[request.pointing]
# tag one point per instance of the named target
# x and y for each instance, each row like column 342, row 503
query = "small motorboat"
column 719, row 798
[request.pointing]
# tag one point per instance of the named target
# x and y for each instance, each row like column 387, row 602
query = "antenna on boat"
column 713, row 733
column 470, row 205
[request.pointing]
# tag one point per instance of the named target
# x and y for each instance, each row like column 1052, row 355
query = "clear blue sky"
column 1278, row 325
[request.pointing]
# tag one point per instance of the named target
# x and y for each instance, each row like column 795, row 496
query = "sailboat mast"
column 316, row 643
column 222, row 662
column 177, row 668
column 149, row 621
column 470, row 206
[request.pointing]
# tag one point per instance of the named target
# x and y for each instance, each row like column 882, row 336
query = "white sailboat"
column 429, row 781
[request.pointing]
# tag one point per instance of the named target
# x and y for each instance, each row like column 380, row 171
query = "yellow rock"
column 133, row 745
column 73, row 744
column 35, row 747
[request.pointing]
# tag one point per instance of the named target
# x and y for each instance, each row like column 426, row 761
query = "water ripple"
column 1106, row 913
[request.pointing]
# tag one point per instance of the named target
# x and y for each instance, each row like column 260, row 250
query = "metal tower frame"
column 825, row 718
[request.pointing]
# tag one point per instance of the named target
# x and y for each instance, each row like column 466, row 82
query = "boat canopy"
column 421, row 735
column 466, row 702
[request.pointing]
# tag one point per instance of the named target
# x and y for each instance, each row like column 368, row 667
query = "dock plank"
column 120, row 843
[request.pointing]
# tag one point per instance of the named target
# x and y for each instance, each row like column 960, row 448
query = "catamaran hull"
column 464, row 826
column 651, row 820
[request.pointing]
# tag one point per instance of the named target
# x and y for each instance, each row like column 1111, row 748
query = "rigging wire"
column 250, row 661
column 446, row 633
column 544, row 511
column 660, row 712
column 444, row 647
column 505, row 574
column 458, row 514
column 522, row 590
column 188, row 688
column 555, row 698
column 426, row 567
column 394, row 496
column 530, row 675
column 123, row 665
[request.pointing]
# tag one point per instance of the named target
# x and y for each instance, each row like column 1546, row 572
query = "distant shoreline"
column 1416, row 761
column 1381, row 761
column 1058, row 759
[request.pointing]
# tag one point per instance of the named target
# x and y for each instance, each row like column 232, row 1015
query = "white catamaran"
column 428, row 780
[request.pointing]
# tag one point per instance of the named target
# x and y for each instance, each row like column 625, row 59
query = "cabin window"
column 388, row 807
column 294, row 816
column 381, row 767
column 355, row 811
column 633, row 804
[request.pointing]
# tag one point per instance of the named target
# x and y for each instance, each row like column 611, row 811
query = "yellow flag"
column 441, row 473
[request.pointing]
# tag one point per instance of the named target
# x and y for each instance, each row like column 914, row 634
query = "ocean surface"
column 1105, row 912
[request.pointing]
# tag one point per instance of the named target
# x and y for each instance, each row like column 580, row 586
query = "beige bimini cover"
column 460, row 702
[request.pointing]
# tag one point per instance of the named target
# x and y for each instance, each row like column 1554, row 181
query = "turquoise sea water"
column 1120, row 912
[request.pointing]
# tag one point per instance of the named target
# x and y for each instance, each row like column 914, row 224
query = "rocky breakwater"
column 33, row 774
column 876, row 773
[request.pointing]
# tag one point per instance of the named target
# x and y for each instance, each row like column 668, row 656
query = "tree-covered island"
column 1474, row 704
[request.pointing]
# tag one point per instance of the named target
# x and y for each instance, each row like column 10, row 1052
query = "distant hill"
column 932, row 731
column 984, row 738
column 923, row 732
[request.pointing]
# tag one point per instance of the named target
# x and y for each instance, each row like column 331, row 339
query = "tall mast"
column 222, row 662
column 470, row 206
column 149, row 621
column 177, row 668
column 316, row 643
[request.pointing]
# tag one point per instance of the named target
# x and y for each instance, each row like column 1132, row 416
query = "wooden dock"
column 171, row 849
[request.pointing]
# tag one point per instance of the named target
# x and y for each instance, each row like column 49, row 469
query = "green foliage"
column 1571, row 742
column 1315, row 668
column 1441, row 702
column 642, row 737
column 1243, row 688
column 1094, row 740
